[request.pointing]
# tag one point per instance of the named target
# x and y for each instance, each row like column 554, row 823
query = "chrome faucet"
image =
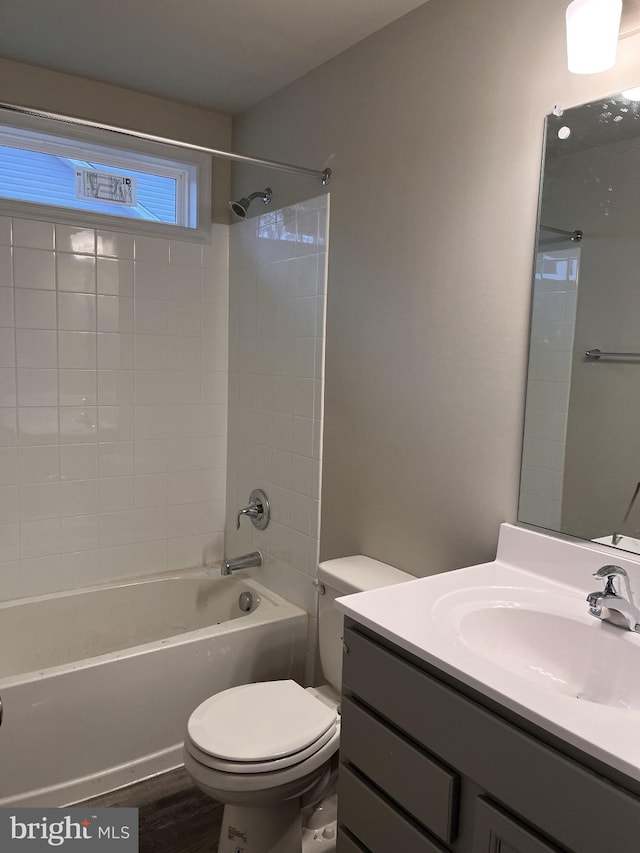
column 610, row 604
column 244, row 561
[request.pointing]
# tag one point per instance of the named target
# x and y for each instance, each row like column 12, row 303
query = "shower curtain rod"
column 575, row 236
column 323, row 175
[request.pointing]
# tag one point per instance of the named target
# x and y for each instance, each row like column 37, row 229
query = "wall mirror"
column 581, row 449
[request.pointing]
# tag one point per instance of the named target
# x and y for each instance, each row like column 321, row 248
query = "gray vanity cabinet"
column 495, row 832
column 427, row 768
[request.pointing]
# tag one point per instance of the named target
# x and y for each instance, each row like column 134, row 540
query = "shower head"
column 241, row 207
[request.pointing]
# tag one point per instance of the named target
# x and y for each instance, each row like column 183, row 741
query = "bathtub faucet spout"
column 245, row 561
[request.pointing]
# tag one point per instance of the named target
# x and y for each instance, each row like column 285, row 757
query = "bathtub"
column 97, row 684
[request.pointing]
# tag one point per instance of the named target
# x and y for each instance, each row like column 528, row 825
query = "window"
column 103, row 179
column 560, row 265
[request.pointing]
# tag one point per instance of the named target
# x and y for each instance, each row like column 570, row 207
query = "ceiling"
column 221, row 54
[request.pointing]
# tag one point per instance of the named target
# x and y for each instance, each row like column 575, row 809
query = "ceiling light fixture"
column 593, row 28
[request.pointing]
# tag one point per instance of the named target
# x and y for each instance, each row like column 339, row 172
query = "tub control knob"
column 329, row 832
column 258, row 510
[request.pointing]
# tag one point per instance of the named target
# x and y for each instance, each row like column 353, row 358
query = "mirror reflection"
column 581, row 450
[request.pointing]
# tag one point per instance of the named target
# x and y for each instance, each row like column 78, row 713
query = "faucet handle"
column 258, row 510
column 251, row 511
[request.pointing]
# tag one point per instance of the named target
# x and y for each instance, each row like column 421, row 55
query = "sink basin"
column 518, row 634
column 547, row 639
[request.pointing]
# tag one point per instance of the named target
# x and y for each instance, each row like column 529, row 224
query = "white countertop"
column 536, row 588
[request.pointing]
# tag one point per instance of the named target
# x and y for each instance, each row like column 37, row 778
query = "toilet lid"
column 260, row 722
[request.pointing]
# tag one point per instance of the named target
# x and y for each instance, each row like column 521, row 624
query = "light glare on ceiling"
column 592, row 35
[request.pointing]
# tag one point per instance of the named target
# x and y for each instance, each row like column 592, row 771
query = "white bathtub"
column 97, row 684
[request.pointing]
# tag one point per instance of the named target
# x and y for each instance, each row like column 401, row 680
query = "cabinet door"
column 495, row 832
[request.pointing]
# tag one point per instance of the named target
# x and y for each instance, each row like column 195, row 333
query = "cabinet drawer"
column 522, row 773
column 496, row 832
column 426, row 789
column 375, row 822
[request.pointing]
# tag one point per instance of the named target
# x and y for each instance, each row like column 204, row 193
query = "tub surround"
column 277, row 292
column 113, row 404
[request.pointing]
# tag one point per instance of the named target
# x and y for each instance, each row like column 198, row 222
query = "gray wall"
column 27, row 85
column 433, row 127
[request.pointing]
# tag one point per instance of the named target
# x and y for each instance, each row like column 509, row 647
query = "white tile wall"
column 276, row 383
column 113, row 404
column 552, row 334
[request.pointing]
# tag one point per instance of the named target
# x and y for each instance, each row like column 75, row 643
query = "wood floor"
column 174, row 816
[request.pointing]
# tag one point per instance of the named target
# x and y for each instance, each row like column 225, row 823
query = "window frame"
column 122, row 151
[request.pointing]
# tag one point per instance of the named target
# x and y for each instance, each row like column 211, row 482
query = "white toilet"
column 266, row 749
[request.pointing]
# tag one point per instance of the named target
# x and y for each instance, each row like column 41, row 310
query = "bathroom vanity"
column 489, row 709
column 480, row 713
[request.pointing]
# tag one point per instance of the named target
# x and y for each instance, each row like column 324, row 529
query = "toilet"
column 268, row 749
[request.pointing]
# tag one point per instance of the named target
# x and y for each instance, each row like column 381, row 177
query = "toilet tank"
column 342, row 577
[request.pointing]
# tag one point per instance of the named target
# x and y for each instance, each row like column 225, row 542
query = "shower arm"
column 264, row 196
column 324, row 175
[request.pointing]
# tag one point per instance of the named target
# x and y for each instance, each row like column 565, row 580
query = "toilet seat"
column 268, row 785
column 266, row 766
column 260, row 728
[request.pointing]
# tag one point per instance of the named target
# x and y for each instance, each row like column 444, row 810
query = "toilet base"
column 281, row 828
column 274, row 830
column 320, row 825
column 320, row 840
column 261, row 829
